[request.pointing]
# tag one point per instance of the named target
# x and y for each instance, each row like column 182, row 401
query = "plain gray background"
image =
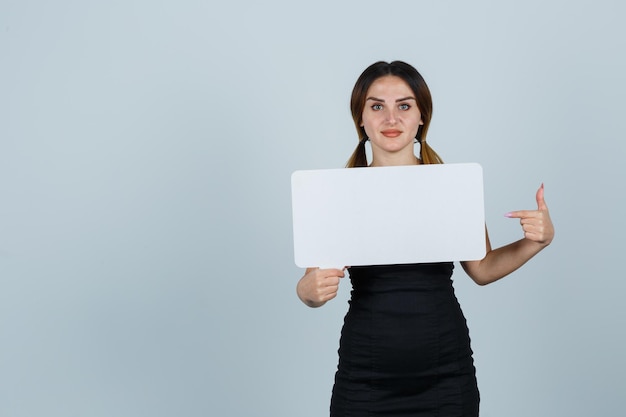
column 146, row 148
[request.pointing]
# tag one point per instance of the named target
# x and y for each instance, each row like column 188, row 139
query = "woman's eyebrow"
column 397, row 101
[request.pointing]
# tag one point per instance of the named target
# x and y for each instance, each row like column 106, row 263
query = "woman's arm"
column 498, row 263
column 318, row 286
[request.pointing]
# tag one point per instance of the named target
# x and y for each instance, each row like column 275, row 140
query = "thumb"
column 541, row 203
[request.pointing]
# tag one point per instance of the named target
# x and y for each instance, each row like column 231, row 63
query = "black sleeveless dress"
column 405, row 347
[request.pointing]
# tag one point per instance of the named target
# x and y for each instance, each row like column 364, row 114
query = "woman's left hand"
column 536, row 224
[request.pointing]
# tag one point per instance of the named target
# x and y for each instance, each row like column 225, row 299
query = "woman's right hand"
column 319, row 285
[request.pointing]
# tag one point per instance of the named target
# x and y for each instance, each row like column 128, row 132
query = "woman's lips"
column 391, row 133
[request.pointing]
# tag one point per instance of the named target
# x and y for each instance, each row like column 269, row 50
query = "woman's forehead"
column 389, row 85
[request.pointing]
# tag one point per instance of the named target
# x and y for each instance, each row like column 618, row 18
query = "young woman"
column 405, row 347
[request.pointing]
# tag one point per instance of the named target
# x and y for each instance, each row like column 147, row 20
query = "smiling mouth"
column 391, row 133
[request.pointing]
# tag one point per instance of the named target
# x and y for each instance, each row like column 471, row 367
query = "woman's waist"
column 403, row 305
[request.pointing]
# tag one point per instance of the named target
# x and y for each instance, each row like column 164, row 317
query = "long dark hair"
column 422, row 95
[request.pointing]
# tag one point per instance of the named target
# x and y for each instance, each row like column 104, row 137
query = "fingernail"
column 507, row 214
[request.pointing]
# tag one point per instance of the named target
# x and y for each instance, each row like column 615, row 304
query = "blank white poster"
column 388, row 215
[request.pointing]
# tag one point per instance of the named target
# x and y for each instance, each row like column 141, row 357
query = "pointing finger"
column 520, row 214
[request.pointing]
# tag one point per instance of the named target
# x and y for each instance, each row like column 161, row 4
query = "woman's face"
column 391, row 118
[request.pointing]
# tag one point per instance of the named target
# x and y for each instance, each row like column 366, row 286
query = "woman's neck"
column 395, row 160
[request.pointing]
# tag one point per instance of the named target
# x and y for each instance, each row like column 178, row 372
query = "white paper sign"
column 388, row 215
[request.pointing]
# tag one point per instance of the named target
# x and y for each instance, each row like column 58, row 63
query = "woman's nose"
column 391, row 116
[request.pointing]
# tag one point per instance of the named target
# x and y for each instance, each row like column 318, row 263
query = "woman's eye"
column 404, row 106
column 377, row 107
